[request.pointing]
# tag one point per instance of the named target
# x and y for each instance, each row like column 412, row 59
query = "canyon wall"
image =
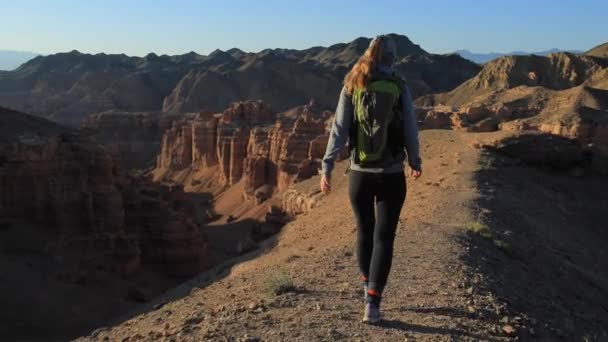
column 249, row 142
column 133, row 137
column 75, row 192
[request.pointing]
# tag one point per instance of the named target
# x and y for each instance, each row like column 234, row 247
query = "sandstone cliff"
column 134, row 137
column 249, row 142
column 73, row 189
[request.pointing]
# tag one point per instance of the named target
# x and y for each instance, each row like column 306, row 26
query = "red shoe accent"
column 372, row 292
column 364, row 278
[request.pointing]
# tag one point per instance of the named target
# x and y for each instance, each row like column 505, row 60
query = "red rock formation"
column 204, row 131
column 73, row 189
column 176, row 147
column 247, row 143
column 437, row 120
column 133, row 136
column 473, row 118
column 169, row 238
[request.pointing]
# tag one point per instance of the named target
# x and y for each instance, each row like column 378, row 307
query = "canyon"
column 126, row 235
column 249, row 143
column 74, row 220
column 160, row 171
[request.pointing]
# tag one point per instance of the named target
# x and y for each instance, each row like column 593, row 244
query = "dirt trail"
column 435, row 291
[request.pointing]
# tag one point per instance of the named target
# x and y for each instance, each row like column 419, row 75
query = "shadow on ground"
column 69, row 307
column 421, row 329
column 539, row 244
column 237, row 242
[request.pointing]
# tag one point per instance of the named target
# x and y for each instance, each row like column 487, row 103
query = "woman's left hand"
column 415, row 173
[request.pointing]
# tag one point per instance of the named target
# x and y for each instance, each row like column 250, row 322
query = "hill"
column 562, row 93
column 66, row 87
column 482, row 58
column 599, row 51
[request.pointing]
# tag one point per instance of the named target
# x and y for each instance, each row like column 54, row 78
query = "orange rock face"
column 94, row 214
column 475, row 119
column 133, row 137
column 250, row 143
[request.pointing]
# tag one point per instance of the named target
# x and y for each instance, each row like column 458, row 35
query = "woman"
column 373, row 100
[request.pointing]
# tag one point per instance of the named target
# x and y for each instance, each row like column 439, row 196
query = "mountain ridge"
column 599, row 51
column 484, row 57
column 68, row 86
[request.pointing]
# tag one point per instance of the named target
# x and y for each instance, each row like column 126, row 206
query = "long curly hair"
column 361, row 73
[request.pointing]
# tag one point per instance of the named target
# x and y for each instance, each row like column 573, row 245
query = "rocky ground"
column 464, row 269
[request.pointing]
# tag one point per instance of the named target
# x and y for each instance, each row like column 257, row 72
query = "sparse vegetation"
column 279, row 282
column 484, row 231
column 480, row 229
column 502, row 245
column 486, row 160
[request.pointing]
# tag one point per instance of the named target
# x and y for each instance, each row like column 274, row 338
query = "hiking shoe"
column 372, row 313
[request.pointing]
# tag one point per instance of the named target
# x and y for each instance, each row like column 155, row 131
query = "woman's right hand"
column 325, row 183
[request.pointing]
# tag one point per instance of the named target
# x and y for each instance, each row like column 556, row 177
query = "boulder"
column 437, row 120
column 476, row 113
column 485, row 125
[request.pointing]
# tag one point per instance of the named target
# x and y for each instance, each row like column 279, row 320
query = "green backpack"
column 377, row 134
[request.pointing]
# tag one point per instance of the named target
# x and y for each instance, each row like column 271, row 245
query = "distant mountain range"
column 482, row 58
column 67, row 87
column 10, row 60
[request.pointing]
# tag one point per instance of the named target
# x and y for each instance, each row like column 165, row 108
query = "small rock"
column 470, row 290
column 260, row 309
column 194, row 320
column 98, row 331
column 247, row 338
column 318, row 306
column 333, row 333
column 159, row 305
column 508, row 329
column 504, row 320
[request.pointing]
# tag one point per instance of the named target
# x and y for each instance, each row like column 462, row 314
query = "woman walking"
column 375, row 115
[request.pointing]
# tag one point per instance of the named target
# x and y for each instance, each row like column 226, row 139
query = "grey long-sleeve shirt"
column 340, row 132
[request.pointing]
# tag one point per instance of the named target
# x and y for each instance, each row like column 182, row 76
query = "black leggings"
column 376, row 231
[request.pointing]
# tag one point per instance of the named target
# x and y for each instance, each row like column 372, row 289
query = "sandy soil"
column 472, row 263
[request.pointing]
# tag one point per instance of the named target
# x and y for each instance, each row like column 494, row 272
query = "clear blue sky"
column 137, row 27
